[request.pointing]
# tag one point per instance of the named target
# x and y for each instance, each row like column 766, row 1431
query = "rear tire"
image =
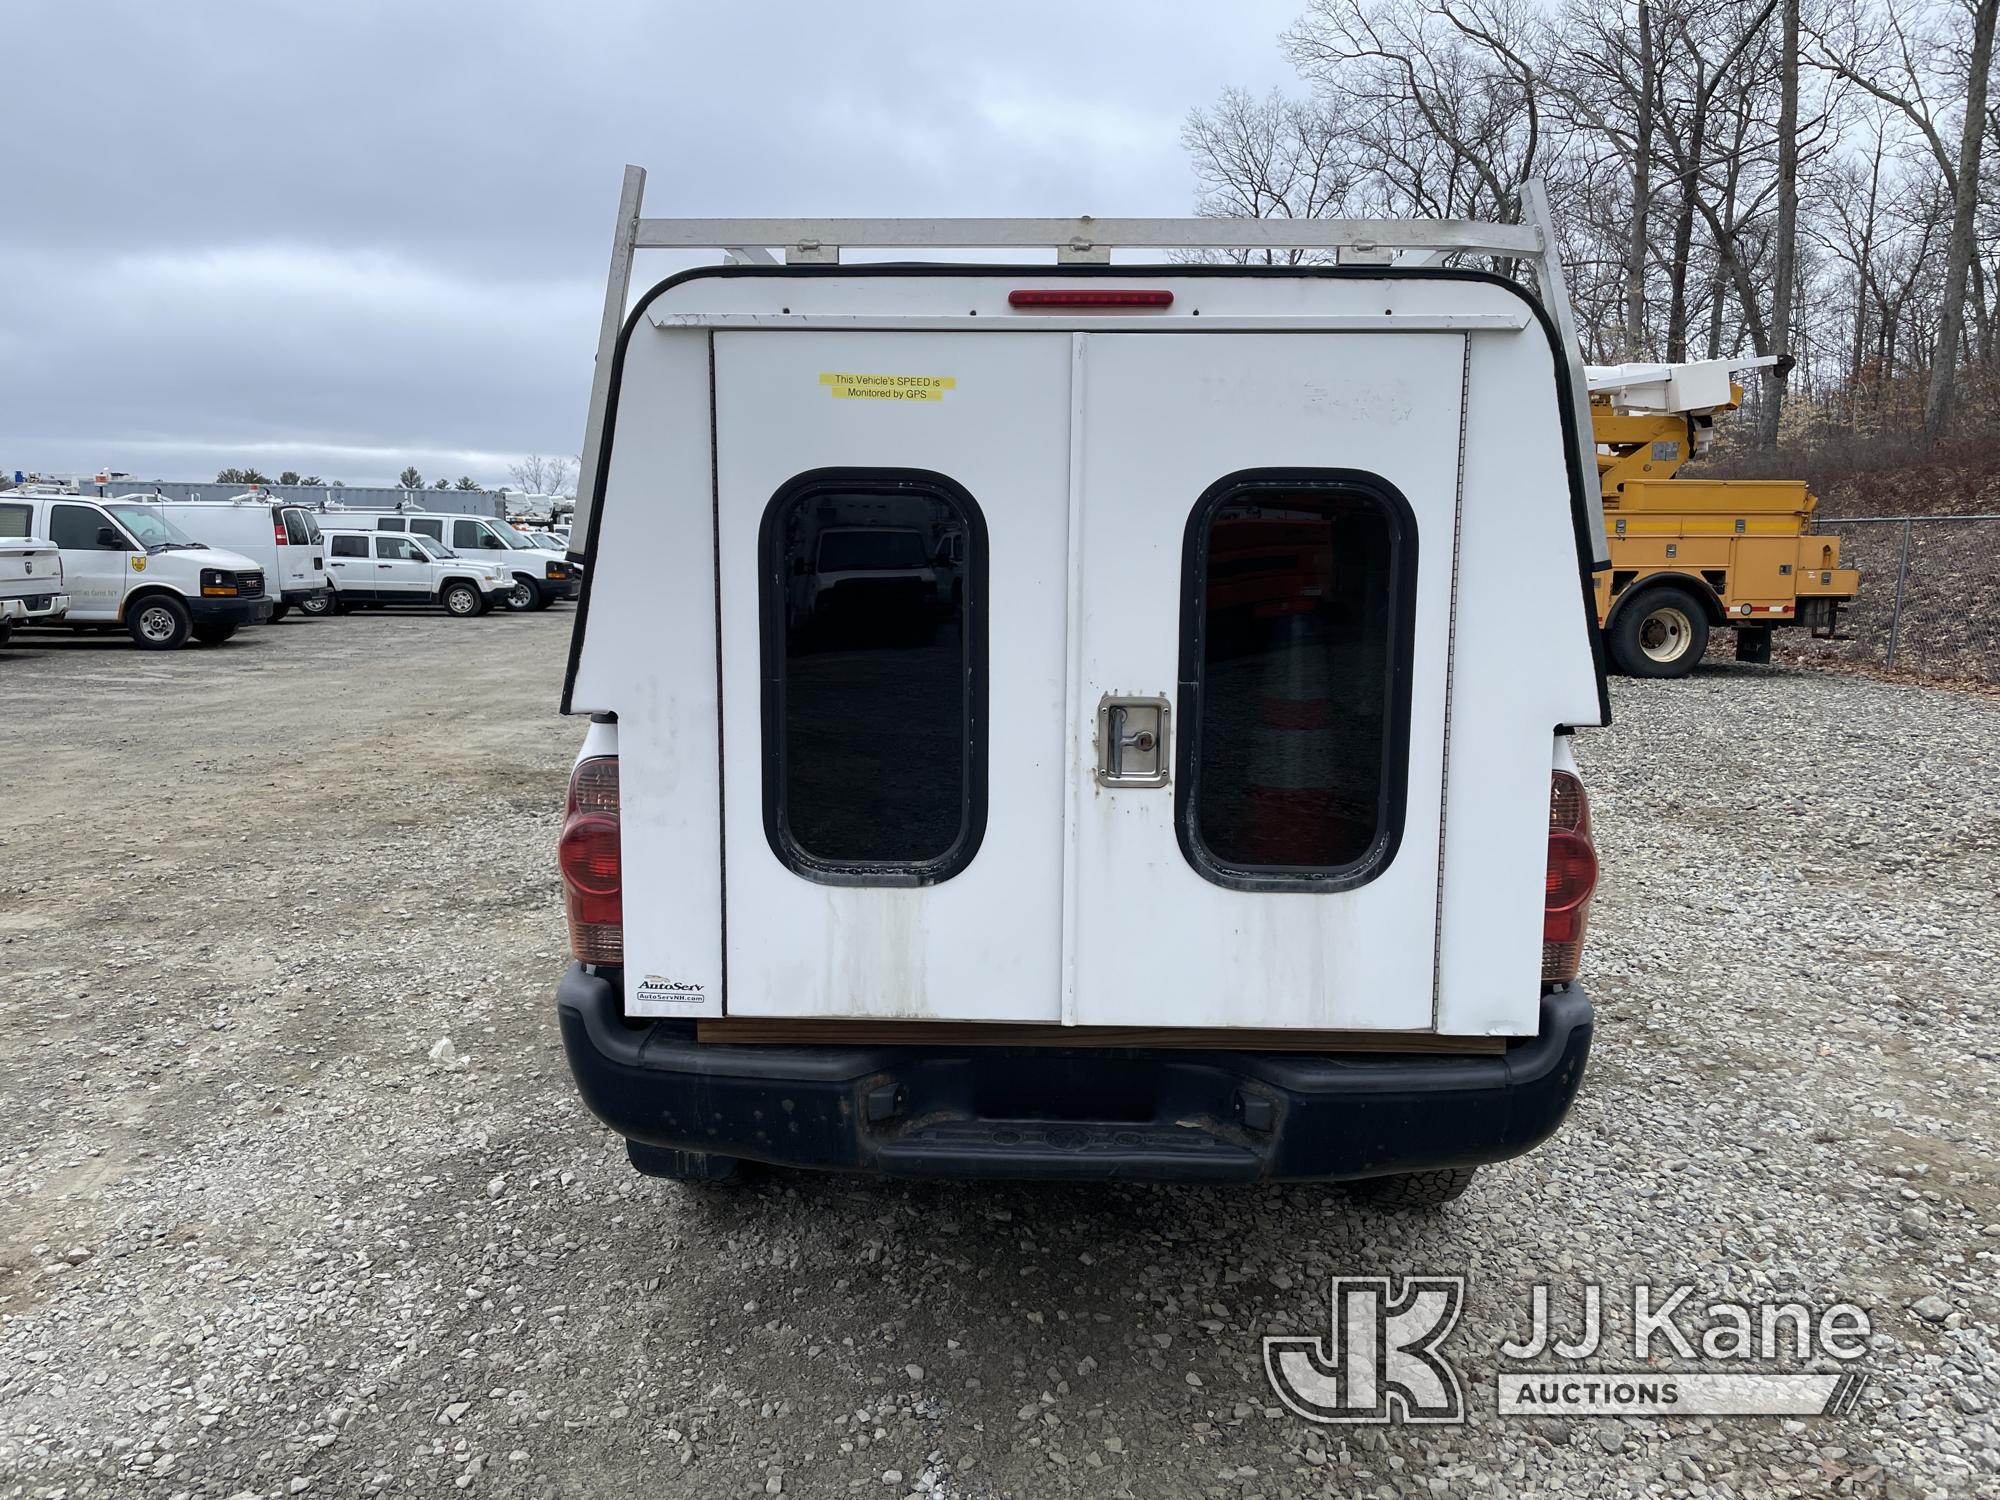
column 214, row 633
column 159, row 623
column 526, row 595
column 6, row 631
column 697, row 1168
column 463, row 600
column 1662, row 633
column 279, row 611
column 1413, row 1189
column 323, row 603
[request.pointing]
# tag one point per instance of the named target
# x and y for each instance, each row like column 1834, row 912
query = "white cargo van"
column 125, row 562
column 1092, row 720
column 541, row 576
column 376, row 568
column 283, row 539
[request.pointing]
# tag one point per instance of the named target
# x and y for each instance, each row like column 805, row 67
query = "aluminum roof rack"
column 1088, row 241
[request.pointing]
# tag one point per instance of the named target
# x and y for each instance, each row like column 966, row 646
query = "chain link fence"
column 1929, row 601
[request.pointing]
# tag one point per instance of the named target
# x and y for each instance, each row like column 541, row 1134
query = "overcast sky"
column 349, row 235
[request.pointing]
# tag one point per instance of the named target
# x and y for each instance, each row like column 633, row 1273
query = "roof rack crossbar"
column 1085, row 240
column 819, row 236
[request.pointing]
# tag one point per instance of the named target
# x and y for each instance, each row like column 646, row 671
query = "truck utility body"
column 1073, row 720
column 1691, row 555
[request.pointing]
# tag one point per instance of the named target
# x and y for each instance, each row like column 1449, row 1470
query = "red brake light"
column 277, row 528
column 588, row 852
column 1090, row 297
column 1570, row 881
column 1572, row 871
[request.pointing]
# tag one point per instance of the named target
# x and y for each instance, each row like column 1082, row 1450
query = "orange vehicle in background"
column 1689, row 556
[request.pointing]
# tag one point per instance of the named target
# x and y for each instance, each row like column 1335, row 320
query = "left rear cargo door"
column 892, row 534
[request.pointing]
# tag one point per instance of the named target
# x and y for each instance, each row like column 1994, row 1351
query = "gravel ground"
column 298, row 1198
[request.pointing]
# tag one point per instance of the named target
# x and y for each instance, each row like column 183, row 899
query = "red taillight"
column 1572, row 871
column 278, row 530
column 1570, row 881
column 1090, row 297
column 593, row 880
column 589, row 852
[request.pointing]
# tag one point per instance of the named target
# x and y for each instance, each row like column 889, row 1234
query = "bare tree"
column 1897, row 59
column 1444, row 95
column 1958, row 263
column 543, row 476
column 1856, row 224
column 1642, row 188
column 1812, row 179
column 1274, row 158
column 1785, row 273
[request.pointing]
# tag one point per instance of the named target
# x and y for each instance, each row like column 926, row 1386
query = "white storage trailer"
column 1167, row 775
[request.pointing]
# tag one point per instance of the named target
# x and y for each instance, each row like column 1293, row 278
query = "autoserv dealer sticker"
column 660, row 996
column 845, row 387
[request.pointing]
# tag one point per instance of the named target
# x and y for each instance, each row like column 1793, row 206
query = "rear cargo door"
column 1265, row 552
column 891, row 560
column 295, row 554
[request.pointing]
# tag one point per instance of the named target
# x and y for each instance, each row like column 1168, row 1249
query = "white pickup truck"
column 31, row 584
column 1049, row 720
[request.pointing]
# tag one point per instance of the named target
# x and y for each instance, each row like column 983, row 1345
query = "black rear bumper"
column 1071, row 1112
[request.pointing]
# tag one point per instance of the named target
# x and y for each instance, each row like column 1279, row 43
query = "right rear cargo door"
column 1266, row 556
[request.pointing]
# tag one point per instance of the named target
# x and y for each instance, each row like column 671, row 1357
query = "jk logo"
column 1379, row 1360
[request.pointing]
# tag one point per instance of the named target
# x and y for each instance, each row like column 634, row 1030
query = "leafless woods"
column 1813, row 178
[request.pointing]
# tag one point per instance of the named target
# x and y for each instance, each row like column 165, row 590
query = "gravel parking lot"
column 298, row 1197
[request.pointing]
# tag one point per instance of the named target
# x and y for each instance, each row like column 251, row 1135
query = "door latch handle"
column 1132, row 742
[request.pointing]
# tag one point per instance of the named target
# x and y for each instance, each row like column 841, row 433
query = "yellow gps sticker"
column 886, row 387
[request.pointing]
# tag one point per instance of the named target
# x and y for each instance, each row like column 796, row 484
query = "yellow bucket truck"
column 1692, row 555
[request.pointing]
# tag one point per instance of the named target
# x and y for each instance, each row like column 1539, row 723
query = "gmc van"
column 1067, row 736
column 125, row 562
column 282, row 539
